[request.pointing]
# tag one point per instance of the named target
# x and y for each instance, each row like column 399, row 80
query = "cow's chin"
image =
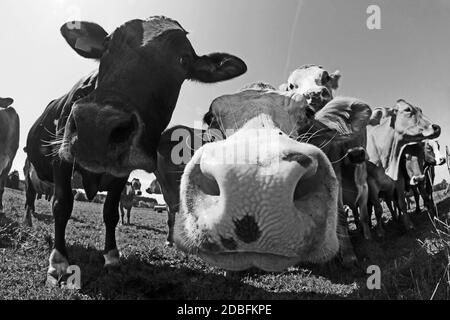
column 239, row 261
column 135, row 159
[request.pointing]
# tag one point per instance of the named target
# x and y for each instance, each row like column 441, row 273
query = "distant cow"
column 9, row 141
column 389, row 133
column 35, row 188
column 110, row 122
column 131, row 190
column 13, row 181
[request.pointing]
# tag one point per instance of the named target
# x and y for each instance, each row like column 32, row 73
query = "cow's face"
column 315, row 83
column 413, row 158
column 136, row 185
column 259, row 198
column 433, row 154
column 411, row 125
column 142, row 65
column 5, row 102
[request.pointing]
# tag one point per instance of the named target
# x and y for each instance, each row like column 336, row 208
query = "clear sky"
column 409, row 57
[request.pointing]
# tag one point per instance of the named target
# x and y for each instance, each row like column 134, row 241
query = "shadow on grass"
column 136, row 278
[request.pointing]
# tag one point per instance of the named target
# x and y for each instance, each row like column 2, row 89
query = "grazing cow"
column 110, row 122
column 9, row 141
column 34, row 189
column 131, row 190
column 315, row 83
column 260, row 198
column 389, row 133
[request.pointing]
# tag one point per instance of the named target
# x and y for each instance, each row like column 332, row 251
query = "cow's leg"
column 375, row 202
column 392, row 208
column 122, row 212
column 62, row 208
column 363, row 196
column 427, row 199
column 3, row 179
column 30, row 196
column 111, row 218
column 128, row 214
column 417, row 199
column 171, row 224
column 345, row 246
column 401, row 201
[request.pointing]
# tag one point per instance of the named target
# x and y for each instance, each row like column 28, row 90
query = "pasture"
column 413, row 265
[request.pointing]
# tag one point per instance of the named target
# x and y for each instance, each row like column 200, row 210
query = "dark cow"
column 390, row 131
column 9, row 141
column 260, row 198
column 129, row 193
column 432, row 157
column 35, row 188
column 111, row 121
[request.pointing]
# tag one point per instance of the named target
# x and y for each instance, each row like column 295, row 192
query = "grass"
column 414, row 265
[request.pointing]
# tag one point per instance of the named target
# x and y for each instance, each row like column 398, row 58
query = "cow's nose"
column 122, row 130
column 437, row 129
column 357, row 155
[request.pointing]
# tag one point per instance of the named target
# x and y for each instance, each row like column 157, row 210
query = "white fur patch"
column 156, row 26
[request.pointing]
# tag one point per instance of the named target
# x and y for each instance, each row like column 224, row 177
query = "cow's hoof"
column 349, row 260
column 27, row 222
column 380, row 232
column 112, row 258
column 58, row 265
column 169, row 244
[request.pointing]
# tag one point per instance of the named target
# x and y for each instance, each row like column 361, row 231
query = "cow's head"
column 5, row 102
column 413, row 159
column 433, row 154
column 410, row 124
column 136, row 185
column 259, row 198
column 142, row 65
column 315, row 83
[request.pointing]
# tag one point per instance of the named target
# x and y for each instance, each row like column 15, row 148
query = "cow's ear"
column 345, row 115
column 334, row 79
column 6, row 102
column 86, row 38
column 216, row 67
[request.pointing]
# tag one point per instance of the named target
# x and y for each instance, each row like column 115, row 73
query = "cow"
column 35, row 188
column 317, row 85
column 389, row 132
column 110, row 122
column 261, row 198
column 178, row 145
column 432, row 157
column 131, row 190
column 9, row 141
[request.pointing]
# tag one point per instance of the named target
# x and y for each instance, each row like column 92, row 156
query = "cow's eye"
column 185, row 61
column 291, row 86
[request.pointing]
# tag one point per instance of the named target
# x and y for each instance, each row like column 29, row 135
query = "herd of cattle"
column 309, row 157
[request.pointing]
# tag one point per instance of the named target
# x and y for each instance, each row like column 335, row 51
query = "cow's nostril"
column 206, row 183
column 122, row 132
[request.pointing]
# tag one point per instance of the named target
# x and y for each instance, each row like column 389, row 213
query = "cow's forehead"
column 156, row 26
column 403, row 104
column 311, row 71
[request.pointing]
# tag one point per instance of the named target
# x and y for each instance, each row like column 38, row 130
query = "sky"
column 408, row 57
